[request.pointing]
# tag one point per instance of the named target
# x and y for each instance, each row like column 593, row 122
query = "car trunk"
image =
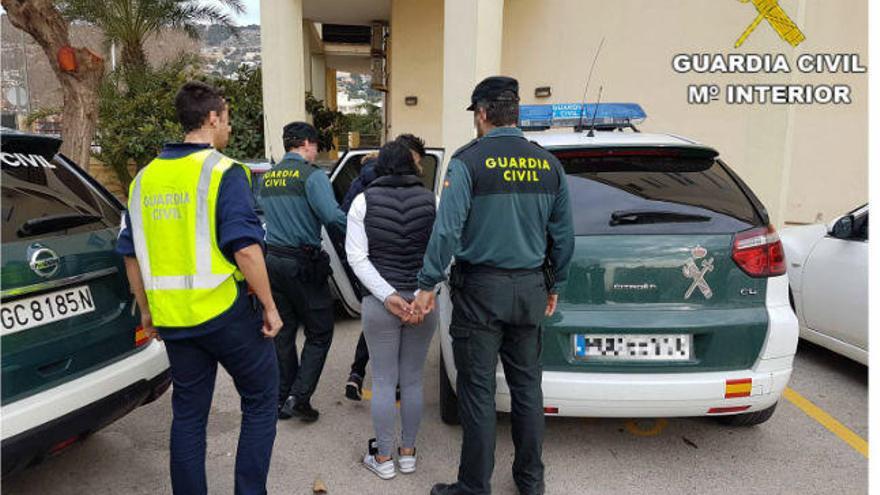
column 66, row 307
column 653, row 285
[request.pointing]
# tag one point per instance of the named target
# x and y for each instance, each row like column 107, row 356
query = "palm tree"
column 129, row 22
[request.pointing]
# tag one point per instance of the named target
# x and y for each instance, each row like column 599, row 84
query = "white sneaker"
column 406, row 463
column 384, row 470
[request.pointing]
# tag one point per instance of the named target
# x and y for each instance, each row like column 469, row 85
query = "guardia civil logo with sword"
column 778, row 19
column 697, row 274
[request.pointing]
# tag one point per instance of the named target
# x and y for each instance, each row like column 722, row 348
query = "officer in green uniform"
column 297, row 199
column 505, row 216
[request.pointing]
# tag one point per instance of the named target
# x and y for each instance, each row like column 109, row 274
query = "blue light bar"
column 574, row 114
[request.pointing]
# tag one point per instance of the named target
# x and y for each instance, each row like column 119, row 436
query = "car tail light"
column 758, row 252
column 140, row 336
column 551, row 410
column 731, row 409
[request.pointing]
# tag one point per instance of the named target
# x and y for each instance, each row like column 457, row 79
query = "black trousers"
column 307, row 302
column 361, row 358
column 496, row 312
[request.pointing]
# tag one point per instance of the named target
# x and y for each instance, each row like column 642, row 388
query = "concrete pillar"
column 281, row 36
column 471, row 52
column 319, row 72
column 330, row 90
column 307, row 57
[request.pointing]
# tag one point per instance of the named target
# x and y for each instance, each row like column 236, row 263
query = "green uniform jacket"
column 297, row 198
column 504, row 199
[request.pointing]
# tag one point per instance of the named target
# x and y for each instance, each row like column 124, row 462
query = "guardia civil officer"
column 297, row 199
column 504, row 214
column 192, row 243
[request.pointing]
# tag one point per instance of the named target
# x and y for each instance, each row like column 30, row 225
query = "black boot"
column 304, row 411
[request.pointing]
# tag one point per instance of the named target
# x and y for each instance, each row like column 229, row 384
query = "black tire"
column 748, row 419
column 448, row 399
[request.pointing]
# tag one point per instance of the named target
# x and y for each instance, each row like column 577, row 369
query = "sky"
column 251, row 15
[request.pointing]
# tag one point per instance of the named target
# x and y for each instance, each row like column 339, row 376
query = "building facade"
column 806, row 162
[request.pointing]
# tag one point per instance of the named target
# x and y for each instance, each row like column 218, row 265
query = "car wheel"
column 448, row 400
column 748, row 419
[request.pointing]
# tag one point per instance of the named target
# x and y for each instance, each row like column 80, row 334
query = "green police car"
column 73, row 356
column 676, row 302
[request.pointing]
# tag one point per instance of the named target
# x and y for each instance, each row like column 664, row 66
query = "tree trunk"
column 133, row 55
column 79, row 87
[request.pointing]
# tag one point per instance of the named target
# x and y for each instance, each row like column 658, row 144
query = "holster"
column 313, row 263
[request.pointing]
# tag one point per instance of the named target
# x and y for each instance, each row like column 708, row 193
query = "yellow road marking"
column 823, row 418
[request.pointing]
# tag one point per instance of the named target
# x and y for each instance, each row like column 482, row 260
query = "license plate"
column 46, row 308
column 630, row 347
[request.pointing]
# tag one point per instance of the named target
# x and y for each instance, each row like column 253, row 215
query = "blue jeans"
column 250, row 359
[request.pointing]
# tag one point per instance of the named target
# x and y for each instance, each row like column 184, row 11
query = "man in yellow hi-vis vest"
column 192, row 244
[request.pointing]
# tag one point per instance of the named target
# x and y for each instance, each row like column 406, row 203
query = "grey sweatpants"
column 397, row 355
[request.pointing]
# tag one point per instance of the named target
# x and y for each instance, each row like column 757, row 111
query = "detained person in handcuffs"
column 389, row 225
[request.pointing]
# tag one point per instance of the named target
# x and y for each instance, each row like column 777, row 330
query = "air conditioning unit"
column 378, row 65
column 379, row 76
column 378, row 37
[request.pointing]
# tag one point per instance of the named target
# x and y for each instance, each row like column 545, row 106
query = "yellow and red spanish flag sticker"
column 738, row 388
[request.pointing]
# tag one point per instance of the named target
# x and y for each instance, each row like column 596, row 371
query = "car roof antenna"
column 593, row 126
column 580, row 127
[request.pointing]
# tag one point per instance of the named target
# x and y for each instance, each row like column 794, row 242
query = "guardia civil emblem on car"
column 696, row 273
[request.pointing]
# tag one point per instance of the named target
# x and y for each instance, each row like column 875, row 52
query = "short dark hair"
column 500, row 113
column 194, row 103
column 295, row 134
column 395, row 159
column 414, row 143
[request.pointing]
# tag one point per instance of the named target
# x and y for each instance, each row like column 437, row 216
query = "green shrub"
column 136, row 114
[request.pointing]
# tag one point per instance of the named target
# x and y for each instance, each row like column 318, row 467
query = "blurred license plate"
column 46, row 308
column 630, row 347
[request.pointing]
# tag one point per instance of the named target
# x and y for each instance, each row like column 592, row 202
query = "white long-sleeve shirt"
column 358, row 252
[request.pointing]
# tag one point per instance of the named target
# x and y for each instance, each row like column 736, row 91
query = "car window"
column 696, row 193
column 860, row 227
column 347, row 175
column 429, row 171
column 47, row 197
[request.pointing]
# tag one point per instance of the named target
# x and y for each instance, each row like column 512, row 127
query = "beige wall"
column 416, row 69
column 802, row 162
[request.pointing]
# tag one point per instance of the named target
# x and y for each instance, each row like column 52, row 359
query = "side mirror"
column 843, row 228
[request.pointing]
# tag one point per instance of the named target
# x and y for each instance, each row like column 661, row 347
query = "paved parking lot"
column 792, row 453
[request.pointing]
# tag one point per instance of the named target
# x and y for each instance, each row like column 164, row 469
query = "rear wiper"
column 632, row 217
column 54, row 223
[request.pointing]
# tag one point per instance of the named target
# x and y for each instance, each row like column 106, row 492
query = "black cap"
column 495, row 88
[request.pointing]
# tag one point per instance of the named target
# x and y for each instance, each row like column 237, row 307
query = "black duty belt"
column 465, row 267
column 292, row 251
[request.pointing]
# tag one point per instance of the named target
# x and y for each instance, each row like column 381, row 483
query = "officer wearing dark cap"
column 297, row 199
column 505, row 216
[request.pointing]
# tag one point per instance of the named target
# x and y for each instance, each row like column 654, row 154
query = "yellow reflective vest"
column 172, row 206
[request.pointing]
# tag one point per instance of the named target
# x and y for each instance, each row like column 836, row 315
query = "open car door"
column 344, row 173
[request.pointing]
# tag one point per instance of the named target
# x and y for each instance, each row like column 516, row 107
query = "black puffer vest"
column 398, row 223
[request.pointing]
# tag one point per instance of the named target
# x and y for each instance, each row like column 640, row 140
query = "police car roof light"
column 589, row 115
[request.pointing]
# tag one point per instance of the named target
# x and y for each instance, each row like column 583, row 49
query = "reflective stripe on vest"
column 195, row 287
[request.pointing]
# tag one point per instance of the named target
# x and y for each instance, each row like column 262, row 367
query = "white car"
column 674, row 256
column 828, row 273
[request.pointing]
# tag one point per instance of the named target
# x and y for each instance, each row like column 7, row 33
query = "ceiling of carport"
column 347, row 11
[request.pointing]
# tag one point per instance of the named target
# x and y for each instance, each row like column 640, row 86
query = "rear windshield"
column 654, row 191
column 43, row 197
